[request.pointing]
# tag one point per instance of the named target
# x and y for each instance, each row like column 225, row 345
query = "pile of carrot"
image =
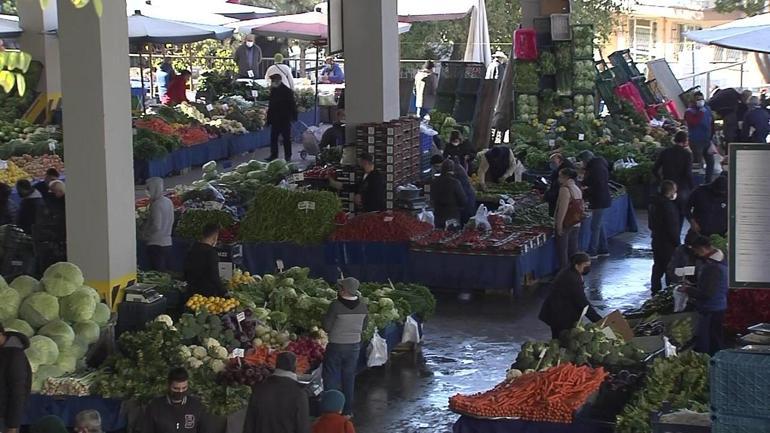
column 552, row 395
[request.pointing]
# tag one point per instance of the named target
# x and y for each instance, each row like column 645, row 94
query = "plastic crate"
column 542, row 26
column 525, row 44
column 560, row 28
column 630, row 93
column 736, row 424
column 625, row 67
column 740, row 385
column 19, row 257
column 648, row 97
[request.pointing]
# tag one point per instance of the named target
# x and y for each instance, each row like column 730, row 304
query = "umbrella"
column 308, row 26
column 147, row 30
column 412, row 11
column 477, row 48
column 9, row 27
column 747, row 34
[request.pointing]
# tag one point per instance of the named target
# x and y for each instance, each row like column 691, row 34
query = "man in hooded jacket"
column 156, row 231
column 15, row 379
column 279, row 404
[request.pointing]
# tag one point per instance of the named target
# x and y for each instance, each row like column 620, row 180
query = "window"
column 643, row 38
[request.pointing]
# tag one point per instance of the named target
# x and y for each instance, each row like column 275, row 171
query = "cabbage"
column 43, row 373
column 59, row 332
column 78, row 347
column 87, row 332
column 39, row 309
column 62, row 279
column 102, row 314
column 92, row 292
column 42, row 350
column 3, row 284
column 68, row 359
column 79, row 306
column 9, row 307
column 25, row 285
column 19, row 325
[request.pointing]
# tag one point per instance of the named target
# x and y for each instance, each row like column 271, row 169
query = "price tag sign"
column 279, row 265
column 237, row 353
column 3, row 165
column 240, row 316
column 306, row 205
column 552, row 143
column 255, row 93
column 250, row 73
column 581, row 137
column 298, row 177
column 225, row 107
column 209, row 107
column 388, row 219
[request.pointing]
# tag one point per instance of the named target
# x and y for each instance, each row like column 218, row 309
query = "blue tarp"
column 67, row 408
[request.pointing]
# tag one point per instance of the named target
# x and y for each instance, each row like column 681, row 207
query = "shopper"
column 51, row 175
column 496, row 165
column 425, row 89
column 665, row 226
column 447, row 197
column 15, row 379
column 48, row 424
column 564, row 305
column 177, row 88
column 331, row 419
column 675, row 163
column 248, row 57
column 31, row 202
column 567, row 217
column 156, row 230
column 459, row 148
column 8, row 208
column 700, row 124
column 557, row 162
column 279, row 68
column 279, row 404
column 88, row 421
column 177, row 410
column 470, row 194
column 496, row 66
column 370, row 193
column 50, row 233
column 683, row 257
column 332, row 72
column 345, row 321
column 710, row 295
column 708, row 208
column 756, row 123
column 163, row 76
column 281, row 111
column 201, row 265
column 596, row 189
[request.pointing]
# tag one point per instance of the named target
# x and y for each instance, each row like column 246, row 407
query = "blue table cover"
column 67, row 408
column 468, row 424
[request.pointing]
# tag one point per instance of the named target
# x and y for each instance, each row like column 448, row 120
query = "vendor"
column 332, row 72
column 176, row 411
column 459, row 148
column 201, row 265
column 177, row 89
column 370, row 192
column 496, row 165
column 710, row 295
column 564, row 305
column 447, row 196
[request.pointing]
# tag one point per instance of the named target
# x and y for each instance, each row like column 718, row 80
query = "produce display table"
column 468, row 424
column 67, row 408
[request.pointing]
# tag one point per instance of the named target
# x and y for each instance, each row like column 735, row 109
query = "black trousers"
column 284, row 131
column 661, row 256
column 159, row 257
column 709, row 333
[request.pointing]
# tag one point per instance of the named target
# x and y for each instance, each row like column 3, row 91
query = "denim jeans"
column 598, row 244
column 708, row 334
column 339, row 371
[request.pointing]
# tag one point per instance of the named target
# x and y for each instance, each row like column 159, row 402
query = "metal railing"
column 707, row 75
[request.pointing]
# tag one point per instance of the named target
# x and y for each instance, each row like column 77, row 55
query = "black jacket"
column 664, row 218
column 28, row 211
column 15, row 378
column 563, row 306
column 675, row 163
column 708, row 207
column 281, row 109
column 51, row 221
column 333, row 137
column 448, row 199
column 372, row 190
column 163, row 417
column 552, row 194
column 597, row 181
column 278, row 405
column 201, row 270
column 460, row 151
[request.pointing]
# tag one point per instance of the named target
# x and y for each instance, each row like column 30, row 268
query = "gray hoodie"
column 157, row 229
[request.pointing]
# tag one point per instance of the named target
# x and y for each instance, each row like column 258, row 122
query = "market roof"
column 748, row 34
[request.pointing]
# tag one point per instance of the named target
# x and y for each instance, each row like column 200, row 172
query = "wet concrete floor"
column 468, row 346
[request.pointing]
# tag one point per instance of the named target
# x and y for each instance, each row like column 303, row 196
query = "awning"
column 411, row 11
column 9, row 27
column 142, row 29
column 309, row 26
column 748, row 34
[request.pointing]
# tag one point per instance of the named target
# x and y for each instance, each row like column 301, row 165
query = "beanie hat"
column 332, row 401
column 585, row 155
column 350, row 285
column 286, row 361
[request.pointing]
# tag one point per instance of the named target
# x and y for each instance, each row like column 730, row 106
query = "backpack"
column 576, row 211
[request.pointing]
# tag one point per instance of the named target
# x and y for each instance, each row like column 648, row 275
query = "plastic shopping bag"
column 680, row 300
column 482, row 218
column 377, row 352
column 426, row 216
column 506, row 207
column 411, row 332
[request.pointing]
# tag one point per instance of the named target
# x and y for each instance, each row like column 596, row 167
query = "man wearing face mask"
column 664, row 223
column 248, row 58
column 700, row 125
column 175, row 412
column 564, row 305
column 710, row 294
column 281, row 111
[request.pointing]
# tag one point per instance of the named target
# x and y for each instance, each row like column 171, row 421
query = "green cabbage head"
column 39, row 309
column 19, row 325
column 87, row 332
column 101, row 314
column 79, row 306
column 62, row 279
column 59, row 332
column 68, row 359
column 42, row 350
column 9, row 304
column 25, row 285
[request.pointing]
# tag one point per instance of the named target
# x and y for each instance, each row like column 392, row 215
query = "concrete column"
column 371, row 61
column 101, row 230
column 42, row 46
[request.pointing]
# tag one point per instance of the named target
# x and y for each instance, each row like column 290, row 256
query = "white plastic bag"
column 426, row 216
column 377, row 352
column 412, row 332
column 482, row 218
column 506, row 207
column 718, row 163
column 680, row 300
column 518, row 171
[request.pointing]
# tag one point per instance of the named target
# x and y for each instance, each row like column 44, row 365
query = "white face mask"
column 275, row 84
column 673, row 197
column 249, row 44
column 700, row 104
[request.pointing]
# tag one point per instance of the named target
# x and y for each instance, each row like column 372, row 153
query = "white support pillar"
column 372, row 56
column 43, row 47
column 101, row 230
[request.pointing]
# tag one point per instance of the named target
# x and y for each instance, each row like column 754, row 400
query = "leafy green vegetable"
column 39, row 309
column 9, row 307
column 102, row 314
column 25, row 285
column 59, row 332
column 87, row 332
column 150, row 145
column 547, row 63
column 525, row 77
column 191, row 224
column 78, row 307
column 18, row 325
column 62, row 279
column 42, row 350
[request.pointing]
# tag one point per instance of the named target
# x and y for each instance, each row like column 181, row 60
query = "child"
column 331, row 420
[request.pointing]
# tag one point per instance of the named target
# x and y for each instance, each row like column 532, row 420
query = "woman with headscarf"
column 470, row 194
column 88, row 421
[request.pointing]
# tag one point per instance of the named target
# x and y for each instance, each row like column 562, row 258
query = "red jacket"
column 177, row 91
column 333, row 423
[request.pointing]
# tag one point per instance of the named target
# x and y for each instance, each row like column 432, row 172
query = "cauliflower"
column 210, row 343
column 217, row 365
column 198, row 352
column 165, row 318
column 220, row 352
column 195, row 363
column 185, row 352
